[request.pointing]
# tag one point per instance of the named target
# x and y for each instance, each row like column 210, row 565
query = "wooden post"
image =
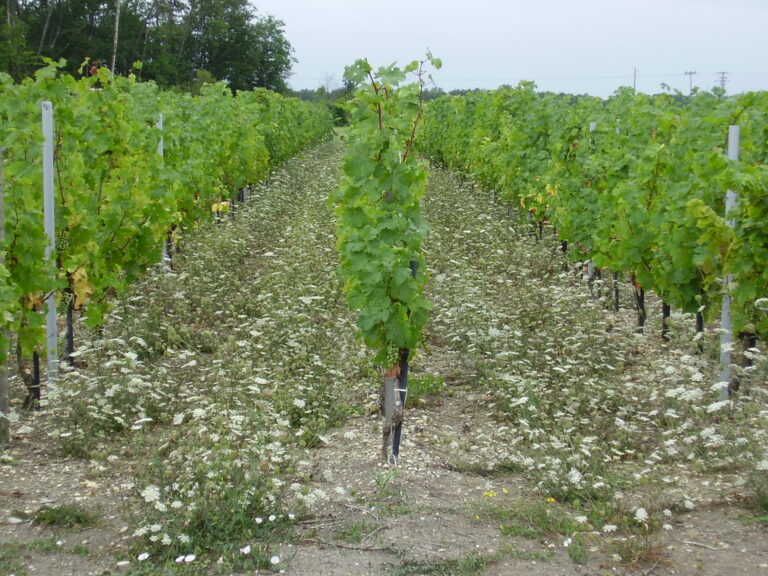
column 390, row 385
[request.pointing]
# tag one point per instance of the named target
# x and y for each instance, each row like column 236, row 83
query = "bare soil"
column 415, row 518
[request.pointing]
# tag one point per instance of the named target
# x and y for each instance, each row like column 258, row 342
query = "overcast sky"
column 573, row 46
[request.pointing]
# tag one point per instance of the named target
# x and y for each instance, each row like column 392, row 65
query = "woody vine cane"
column 379, row 225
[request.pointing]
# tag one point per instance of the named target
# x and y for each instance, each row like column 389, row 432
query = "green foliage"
column 635, row 183
column 116, row 197
column 379, row 224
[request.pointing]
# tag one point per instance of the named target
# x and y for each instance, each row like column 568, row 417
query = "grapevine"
column 379, row 224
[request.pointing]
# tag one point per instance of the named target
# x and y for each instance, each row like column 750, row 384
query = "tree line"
column 178, row 42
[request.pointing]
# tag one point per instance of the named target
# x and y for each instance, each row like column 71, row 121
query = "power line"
column 723, row 79
column 690, row 74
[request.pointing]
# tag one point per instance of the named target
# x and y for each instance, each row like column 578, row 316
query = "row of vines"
column 133, row 168
column 634, row 183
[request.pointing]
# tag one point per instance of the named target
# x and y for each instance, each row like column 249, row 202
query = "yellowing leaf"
column 81, row 288
column 33, row 301
column 220, row 207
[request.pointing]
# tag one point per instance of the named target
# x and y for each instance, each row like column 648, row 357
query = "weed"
column 635, row 549
column 531, row 519
column 44, row 545
column 757, row 480
column 354, row 533
column 472, row 564
column 10, row 559
column 65, row 516
column 574, row 523
column 12, row 553
column 576, row 550
column 423, row 387
column 384, row 479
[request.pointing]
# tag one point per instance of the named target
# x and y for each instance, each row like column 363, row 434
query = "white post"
column 5, row 400
column 590, row 264
column 164, row 256
column 51, row 328
column 726, row 338
column 160, row 127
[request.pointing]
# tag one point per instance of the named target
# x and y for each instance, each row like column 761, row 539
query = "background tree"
column 16, row 57
column 174, row 40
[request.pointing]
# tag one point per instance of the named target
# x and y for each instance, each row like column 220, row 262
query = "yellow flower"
column 489, row 493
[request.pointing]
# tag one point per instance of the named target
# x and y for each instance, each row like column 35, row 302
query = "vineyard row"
column 634, row 183
column 132, row 168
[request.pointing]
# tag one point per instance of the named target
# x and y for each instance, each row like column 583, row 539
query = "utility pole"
column 723, row 79
column 690, row 74
column 634, row 79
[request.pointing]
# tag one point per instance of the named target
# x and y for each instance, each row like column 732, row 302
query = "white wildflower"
column 151, row 493
column 715, row 406
column 574, row 476
column 641, row 515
